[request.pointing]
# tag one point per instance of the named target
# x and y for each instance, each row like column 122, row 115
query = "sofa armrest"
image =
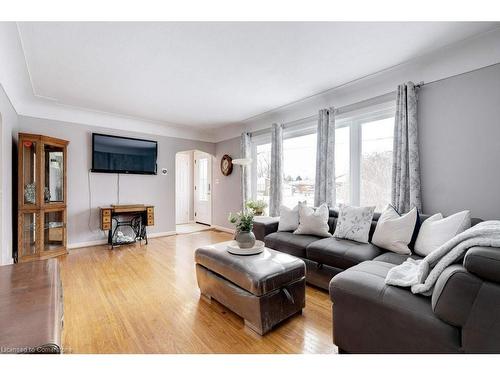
column 465, row 300
column 454, row 295
column 484, row 262
column 262, row 226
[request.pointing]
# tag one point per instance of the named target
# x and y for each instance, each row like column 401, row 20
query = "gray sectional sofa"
column 324, row 257
column 462, row 316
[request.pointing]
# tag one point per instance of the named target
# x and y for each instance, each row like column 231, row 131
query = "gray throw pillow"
column 354, row 223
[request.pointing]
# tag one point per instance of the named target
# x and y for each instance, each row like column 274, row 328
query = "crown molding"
column 59, row 112
column 18, row 86
column 463, row 56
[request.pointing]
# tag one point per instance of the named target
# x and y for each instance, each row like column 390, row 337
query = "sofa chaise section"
column 370, row 316
column 462, row 316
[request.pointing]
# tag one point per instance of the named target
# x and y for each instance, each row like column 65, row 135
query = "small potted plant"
column 243, row 221
column 257, row 206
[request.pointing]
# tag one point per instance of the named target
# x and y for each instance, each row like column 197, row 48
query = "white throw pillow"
column 394, row 231
column 313, row 221
column 436, row 230
column 354, row 223
column 289, row 218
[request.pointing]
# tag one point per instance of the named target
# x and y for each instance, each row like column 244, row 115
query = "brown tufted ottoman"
column 264, row 289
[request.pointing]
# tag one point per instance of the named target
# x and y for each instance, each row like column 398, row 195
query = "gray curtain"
column 276, row 170
column 324, row 190
column 246, row 150
column 406, row 165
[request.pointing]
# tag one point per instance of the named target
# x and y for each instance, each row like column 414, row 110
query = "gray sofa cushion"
column 341, row 253
column 393, row 258
column 484, row 262
column 263, row 226
column 481, row 332
column 287, row 242
column 372, row 317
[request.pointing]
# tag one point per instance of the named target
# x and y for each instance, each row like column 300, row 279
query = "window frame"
column 255, row 142
column 353, row 120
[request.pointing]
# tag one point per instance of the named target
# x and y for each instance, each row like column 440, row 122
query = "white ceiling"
column 207, row 75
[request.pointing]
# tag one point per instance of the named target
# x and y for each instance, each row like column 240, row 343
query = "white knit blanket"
column 421, row 275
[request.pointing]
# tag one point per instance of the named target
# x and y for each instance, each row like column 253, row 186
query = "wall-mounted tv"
column 113, row 154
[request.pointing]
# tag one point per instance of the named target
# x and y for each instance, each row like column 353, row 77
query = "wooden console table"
column 142, row 217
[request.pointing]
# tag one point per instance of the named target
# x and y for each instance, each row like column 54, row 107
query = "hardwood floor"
column 144, row 299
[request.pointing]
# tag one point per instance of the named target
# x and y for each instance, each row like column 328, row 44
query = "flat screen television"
column 114, row 154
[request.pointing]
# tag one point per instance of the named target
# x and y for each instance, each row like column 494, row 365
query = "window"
column 364, row 149
column 376, row 163
column 342, row 165
column 299, row 154
column 262, row 171
column 203, row 178
column 363, row 160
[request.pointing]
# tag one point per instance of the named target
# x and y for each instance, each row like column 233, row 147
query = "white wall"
column 459, row 130
column 14, row 82
column 190, row 155
column 442, row 67
column 157, row 190
column 13, row 72
column 464, row 56
column 227, row 189
column 15, row 78
column 8, row 122
column 459, row 58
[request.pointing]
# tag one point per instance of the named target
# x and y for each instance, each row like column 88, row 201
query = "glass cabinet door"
column 53, row 230
column 41, row 194
column 54, row 174
column 28, row 166
column 29, row 228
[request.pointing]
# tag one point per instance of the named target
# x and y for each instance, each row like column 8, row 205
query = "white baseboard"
column 78, row 245
column 7, row 262
column 223, row 229
column 162, row 234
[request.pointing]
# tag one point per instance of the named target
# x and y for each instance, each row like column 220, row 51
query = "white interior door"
column 202, row 187
column 182, row 187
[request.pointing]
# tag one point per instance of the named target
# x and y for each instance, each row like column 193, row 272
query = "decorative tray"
column 233, row 248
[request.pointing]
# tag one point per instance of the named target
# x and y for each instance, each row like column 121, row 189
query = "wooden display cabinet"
column 42, row 195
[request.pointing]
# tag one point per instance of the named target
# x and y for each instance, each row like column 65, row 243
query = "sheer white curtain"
column 406, row 192
column 324, row 189
column 246, row 150
column 276, row 184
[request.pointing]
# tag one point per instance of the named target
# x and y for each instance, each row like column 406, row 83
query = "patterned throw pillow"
column 354, row 223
